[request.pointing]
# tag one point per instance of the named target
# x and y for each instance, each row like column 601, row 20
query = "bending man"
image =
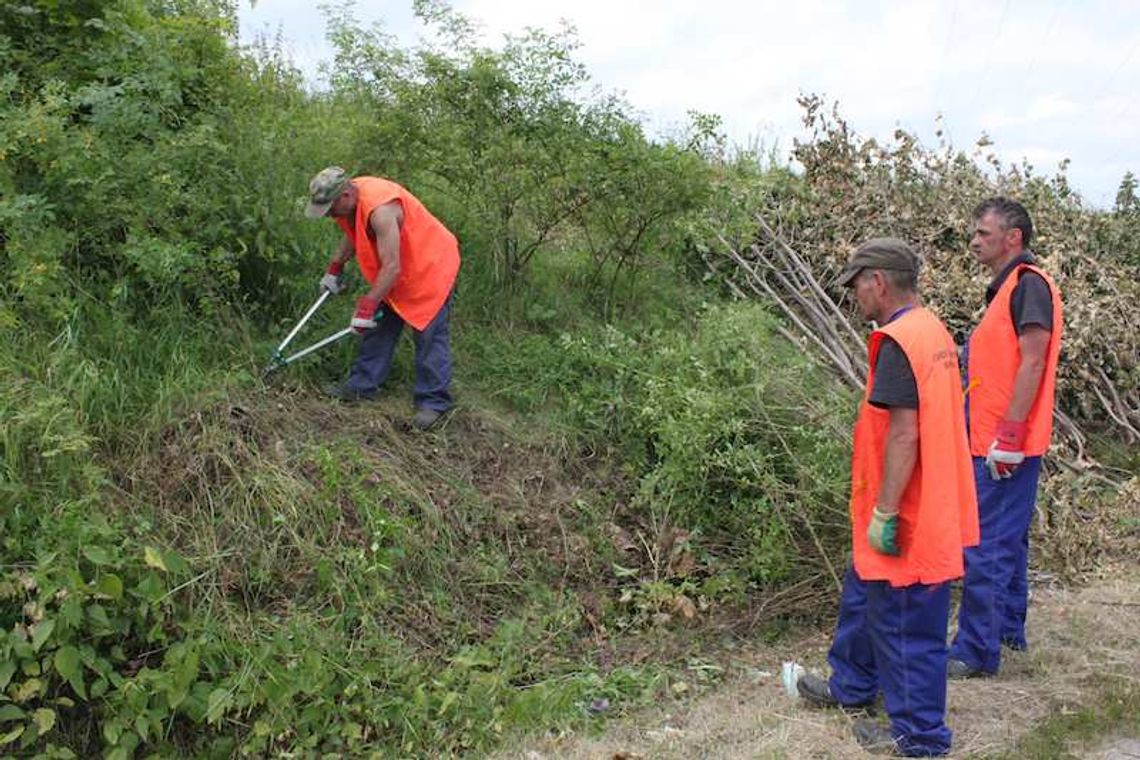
column 410, row 261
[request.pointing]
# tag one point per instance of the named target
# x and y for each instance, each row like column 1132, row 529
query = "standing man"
column 913, row 510
column 410, row 261
column 1012, row 368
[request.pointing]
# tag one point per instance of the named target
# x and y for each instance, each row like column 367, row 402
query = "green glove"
column 883, row 532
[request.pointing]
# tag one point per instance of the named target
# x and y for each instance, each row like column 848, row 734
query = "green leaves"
column 153, row 558
column 41, row 632
column 67, row 664
column 96, row 555
column 110, row 586
column 44, row 720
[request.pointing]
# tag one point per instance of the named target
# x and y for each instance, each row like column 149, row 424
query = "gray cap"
column 880, row 253
column 325, row 188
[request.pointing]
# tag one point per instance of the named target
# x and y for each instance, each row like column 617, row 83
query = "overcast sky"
column 1045, row 79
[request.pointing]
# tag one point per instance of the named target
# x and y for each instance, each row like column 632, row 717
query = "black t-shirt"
column 1031, row 302
column 894, row 383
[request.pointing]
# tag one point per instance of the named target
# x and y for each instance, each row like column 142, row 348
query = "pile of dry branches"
column 857, row 188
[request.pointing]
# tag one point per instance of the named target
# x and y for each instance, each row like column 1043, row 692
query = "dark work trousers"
column 995, row 591
column 432, row 388
column 894, row 639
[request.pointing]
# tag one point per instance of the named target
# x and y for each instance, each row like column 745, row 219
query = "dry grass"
column 1081, row 638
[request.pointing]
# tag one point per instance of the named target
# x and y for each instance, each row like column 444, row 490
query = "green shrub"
column 730, row 432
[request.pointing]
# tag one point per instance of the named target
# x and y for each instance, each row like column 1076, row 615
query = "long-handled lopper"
column 278, row 360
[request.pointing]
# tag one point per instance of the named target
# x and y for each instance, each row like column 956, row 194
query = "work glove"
column 1007, row 451
column 883, row 532
column 364, row 318
column 331, row 280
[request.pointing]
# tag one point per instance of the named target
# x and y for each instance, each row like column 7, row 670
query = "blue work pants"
column 894, row 639
column 432, row 389
column 995, row 591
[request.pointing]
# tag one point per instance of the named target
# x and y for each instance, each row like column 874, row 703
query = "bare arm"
column 345, row 252
column 899, row 457
column 1033, row 345
column 386, row 221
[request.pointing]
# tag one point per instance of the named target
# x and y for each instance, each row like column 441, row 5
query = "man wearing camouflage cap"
column 912, row 509
column 410, row 261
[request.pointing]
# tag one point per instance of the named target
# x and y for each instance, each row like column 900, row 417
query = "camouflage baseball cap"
column 880, row 253
column 325, row 188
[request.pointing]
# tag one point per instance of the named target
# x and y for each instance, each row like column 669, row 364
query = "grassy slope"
column 353, row 584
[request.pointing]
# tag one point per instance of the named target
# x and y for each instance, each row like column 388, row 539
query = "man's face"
column 992, row 242
column 866, row 289
column 344, row 204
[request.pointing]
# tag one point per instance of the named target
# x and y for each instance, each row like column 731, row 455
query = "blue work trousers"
column 432, row 388
column 894, row 639
column 995, row 591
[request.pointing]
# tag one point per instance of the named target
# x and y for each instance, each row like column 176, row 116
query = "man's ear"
column 1014, row 237
column 880, row 280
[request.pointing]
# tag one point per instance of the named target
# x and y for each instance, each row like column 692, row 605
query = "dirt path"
column 1079, row 638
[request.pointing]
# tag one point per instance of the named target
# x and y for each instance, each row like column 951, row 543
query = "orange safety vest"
column 992, row 365
column 429, row 253
column 938, row 513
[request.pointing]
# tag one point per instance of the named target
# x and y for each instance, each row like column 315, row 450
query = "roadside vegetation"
column 197, row 561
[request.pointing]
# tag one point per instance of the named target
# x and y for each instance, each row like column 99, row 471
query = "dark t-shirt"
column 1031, row 302
column 894, row 383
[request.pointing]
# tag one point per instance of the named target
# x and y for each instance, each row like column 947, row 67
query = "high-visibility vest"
column 938, row 511
column 429, row 253
column 992, row 363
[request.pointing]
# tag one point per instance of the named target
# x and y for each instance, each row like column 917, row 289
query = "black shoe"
column 956, row 670
column 425, row 418
column 876, row 738
column 341, row 392
column 1015, row 645
column 815, row 691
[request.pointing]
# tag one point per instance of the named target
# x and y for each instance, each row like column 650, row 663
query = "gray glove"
column 331, row 280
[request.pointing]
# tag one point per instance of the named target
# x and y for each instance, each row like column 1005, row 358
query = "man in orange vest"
column 1011, row 361
column 913, row 510
column 410, row 261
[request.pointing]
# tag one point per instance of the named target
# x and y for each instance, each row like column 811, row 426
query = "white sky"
column 1045, row 79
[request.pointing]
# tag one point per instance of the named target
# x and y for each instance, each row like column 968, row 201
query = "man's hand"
column 331, row 280
column 883, row 532
column 1007, row 451
column 364, row 318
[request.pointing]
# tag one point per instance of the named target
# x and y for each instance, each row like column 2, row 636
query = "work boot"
column 957, row 670
column 876, row 738
column 341, row 392
column 424, row 418
column 816, row 692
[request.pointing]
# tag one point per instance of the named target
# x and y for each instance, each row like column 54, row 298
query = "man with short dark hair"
column 1011, row 362
column 410, row 261
column 912, row 508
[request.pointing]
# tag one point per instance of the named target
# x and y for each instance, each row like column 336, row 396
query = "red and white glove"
column 331, row 280
column 1007, row 451
column 364, row 318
